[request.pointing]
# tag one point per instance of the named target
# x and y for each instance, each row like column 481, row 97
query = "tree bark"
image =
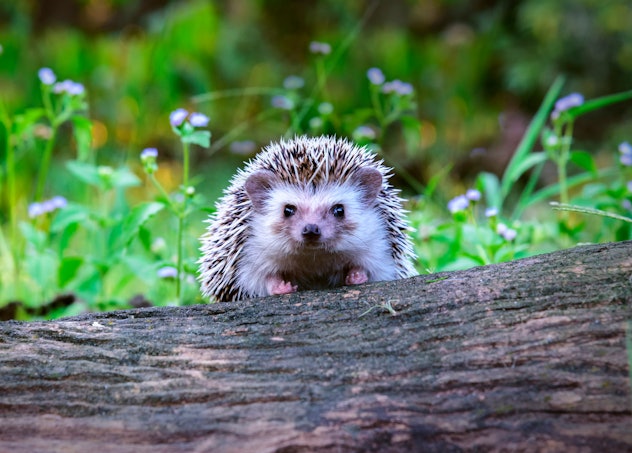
column 522, row 356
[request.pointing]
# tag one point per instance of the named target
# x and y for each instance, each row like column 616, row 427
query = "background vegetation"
column 479, row 71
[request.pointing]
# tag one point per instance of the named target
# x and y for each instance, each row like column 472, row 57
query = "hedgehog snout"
column 311, row 232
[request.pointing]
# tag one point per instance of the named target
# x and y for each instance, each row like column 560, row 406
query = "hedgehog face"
column 306, row 218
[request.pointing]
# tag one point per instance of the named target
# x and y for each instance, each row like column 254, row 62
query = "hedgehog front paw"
column 277, row 285
column 356, row 276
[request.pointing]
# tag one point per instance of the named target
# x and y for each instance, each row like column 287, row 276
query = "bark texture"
column 528, row 355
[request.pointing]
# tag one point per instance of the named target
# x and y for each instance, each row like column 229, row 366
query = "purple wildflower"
column 282, row 102
column 507, row 233
column 566, row 103
column 364, row 133
column 629, row 186
column 491, row 212
column 458, row 203
column 58, row 202
column 148, row 153
column 75, row 89
column 47, row 76
column 69, row 87
column 293, row 82
column 167, row 272
column 322, row 48
column 375, row 76
column 198, row 120
column 473, row 195
column 177, row 117
column 626, row 154
column 36, row 209
column 510, row 235
column 397, row 87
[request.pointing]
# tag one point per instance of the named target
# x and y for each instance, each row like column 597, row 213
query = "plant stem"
column 43, row 173
column 179, row 258
column 180, row 213
column 181, row 219
column 185, row 165
column 563, row 161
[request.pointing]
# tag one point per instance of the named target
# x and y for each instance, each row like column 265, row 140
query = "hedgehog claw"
column 356, row 276
column 277, row 285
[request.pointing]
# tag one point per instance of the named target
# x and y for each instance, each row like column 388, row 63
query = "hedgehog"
column 305, row 213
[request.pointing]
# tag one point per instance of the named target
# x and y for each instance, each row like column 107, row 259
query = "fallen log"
column 522, row 356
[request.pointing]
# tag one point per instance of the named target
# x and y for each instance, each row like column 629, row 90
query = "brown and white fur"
column 312, row 213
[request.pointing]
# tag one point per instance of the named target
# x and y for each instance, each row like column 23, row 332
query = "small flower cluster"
column 364, row 133
column 321, row 48
column 282, row 102
column 293, row 82
column 167, row 272
column 508, row 234
column 48, row 77
column 626, row 154
column 46, row 206
column 376, row 77
column 462, row 202
column 148, row 158
column 566, row 103
column 177, row 117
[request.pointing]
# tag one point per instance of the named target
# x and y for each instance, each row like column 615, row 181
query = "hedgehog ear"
column 370, row 182
column 258, row 186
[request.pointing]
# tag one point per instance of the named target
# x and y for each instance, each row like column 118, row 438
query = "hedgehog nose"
column 311, row 231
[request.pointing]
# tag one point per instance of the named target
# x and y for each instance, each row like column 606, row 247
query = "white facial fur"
column 327, row 231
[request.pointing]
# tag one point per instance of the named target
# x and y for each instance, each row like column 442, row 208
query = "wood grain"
column 522, row 356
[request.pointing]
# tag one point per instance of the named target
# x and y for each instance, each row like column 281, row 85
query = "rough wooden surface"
column 524, row 356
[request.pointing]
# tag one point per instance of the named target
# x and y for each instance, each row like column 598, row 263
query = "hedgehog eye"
column 338, row 210
column 289, row 210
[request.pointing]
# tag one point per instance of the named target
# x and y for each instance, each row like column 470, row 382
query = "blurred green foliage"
column 479, row 70
column 468, row 61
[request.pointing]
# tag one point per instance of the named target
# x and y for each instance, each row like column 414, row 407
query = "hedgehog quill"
column 307, row 213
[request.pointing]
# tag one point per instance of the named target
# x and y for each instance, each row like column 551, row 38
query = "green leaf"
column 90, row 284
column 143, row 269
column 41, row 268
column 530, row 137
column 587, row 210
column 527, row 163
column 124, row 177
column 85, row 172
column 202, row 138
column 136, row 219
column 595, row 104
column 88, row 173
column 584, row 160
column 489, row 184
column 33, row 236
column 27, row 120
column 144, row 235
column 68, row 269
column 82, row 130
column 70, row 214
column 573, row 181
